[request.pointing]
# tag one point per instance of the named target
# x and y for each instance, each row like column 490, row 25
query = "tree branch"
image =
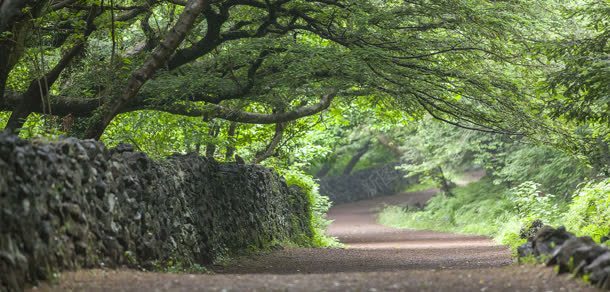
column 270, row 149
column 37, row 93
column 157, row 58
column 218, row 111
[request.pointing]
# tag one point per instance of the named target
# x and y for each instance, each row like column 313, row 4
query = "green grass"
column 484, row 208
column 422, row 186
column 480, row 208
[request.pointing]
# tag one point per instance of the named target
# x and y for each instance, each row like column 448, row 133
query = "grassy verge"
column 479, row 208
column 484, row 208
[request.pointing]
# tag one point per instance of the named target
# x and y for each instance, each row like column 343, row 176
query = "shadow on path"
column 371, row 247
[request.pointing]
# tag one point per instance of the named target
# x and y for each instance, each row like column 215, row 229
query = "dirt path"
column 377, row 258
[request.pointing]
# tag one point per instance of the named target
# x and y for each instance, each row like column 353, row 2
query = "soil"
column 376, row 258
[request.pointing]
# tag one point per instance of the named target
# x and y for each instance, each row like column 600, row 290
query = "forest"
column 515, row 90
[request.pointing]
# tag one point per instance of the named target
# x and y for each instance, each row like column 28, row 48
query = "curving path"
column 376, row 258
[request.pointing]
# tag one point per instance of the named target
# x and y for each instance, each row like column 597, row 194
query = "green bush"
column 319, row 205
column 589, row 212
column 481, row 208
column 531, row 203
column 486, row 209
column 478, row 208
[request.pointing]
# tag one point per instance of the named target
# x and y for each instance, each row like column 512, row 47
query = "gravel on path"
column 376, row 258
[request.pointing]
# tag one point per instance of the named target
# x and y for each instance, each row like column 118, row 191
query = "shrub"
column 318, row 203
column 589, row 212
column 481, row 208
column 530, row 203
column 478, row 208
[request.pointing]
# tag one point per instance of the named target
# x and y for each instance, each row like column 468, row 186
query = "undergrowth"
column 484, row 208
column 318, row 207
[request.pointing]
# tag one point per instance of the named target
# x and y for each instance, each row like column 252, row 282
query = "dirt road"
column 376, row 258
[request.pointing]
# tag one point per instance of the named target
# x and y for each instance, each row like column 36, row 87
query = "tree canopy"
column 276, row 73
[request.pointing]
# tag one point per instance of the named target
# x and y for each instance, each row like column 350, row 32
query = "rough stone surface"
column 364, row 184
column 74, row 204
column 549, row 239
column 580, row 256
column 377, row 258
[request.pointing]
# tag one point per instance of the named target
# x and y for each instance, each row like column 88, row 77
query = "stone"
column 598, row 268
column 72, row 204
column 548, row 239
column 584, row 256
column 530, row 230
column 525, row 250
column 563, row 256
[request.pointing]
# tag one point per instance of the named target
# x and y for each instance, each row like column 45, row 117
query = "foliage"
column 431, row 146
column 156, row 133
column 476, row 209
column 319, row 205
column 479, row 208
column 421, row 186
column 589, row 212
column 37, row 126
column 487, row 209
column 555, row 172
column 582, row 83
column 434, row 151
column 530, row 203
column 455, row 59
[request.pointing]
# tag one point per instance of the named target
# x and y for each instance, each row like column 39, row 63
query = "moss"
column 176, row 266
column 165, row 208
column 130, row 258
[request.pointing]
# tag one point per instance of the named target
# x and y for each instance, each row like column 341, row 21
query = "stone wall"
column 364, row 184
column 580, row 256
column 74, row 204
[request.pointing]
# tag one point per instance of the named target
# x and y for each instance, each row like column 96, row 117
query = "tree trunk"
column 4, row 68
column 231, row 135
column 445, row 184
column 35, row 97
column 17, row 24
column 155, row 61
column 390, row 145
column 602, row 165
column 12, row 49
column 20, row 114
column 323, row 171
column 210, row 148
column 356, row 158
column 270, row 149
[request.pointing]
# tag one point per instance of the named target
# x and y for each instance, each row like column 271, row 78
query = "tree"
column 298, row 55
column 582, row 83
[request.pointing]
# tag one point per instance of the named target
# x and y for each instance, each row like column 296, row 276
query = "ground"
column 376, row 258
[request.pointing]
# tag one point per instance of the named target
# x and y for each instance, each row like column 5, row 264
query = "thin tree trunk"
column 270, row 149
column 210, row 148
column 13, row 20
column 4, row 68
column 11, row 50
column 356, row 158
column 390, row 145
column 325, row 169
column 445, row 184
column 231, row 135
